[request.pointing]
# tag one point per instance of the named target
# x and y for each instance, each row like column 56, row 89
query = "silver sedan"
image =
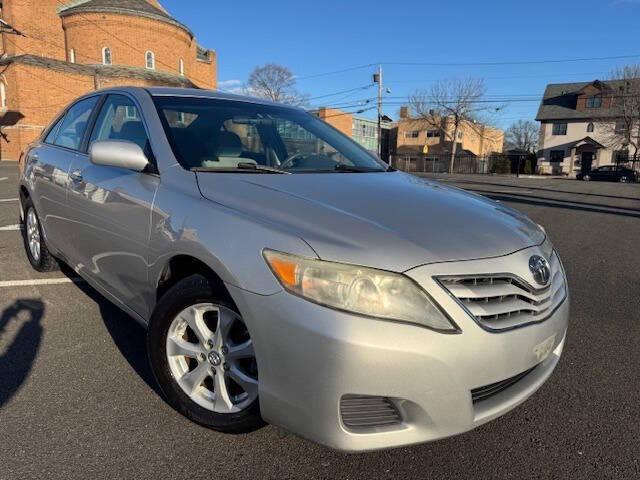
column 287, row 275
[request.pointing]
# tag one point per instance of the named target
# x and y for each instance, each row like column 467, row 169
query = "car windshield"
column 225, row 135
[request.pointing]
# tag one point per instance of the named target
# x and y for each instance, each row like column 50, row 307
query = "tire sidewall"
column 191, row 291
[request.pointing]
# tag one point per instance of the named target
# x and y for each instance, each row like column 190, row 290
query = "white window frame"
column 72, row 56
column 105, row 51
column 149, row 55
column 181, row 67
column 3, row 96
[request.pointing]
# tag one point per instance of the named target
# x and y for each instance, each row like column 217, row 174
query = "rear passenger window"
column 51, row 136
column 74, row 125
column 121, row 120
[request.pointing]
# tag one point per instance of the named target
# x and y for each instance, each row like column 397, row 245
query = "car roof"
column 196, row 93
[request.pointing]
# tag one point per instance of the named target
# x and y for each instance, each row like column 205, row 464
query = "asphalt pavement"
column 77, row 398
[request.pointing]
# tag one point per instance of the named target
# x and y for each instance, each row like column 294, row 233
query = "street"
column 78, row 400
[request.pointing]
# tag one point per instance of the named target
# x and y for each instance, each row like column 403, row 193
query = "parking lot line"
column 8, row 199
column 3, row 178
column 10, row 228
column 42, row 281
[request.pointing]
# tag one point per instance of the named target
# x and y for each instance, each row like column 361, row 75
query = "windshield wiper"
column 341, row 167
column 244, row 167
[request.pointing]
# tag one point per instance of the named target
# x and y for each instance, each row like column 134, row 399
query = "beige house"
column 578, row 127
column 473, row 139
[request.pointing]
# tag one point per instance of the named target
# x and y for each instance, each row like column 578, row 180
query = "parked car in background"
column 609, row 173
column 278, row 277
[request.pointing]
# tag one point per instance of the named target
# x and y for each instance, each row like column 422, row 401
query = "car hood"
column 392, row 220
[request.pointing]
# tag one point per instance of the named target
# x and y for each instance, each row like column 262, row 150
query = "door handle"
column 76, row 176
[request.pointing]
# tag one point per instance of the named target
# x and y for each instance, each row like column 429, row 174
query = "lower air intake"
column 363, row 411
column 488, row 391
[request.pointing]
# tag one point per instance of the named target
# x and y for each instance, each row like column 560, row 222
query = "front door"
column 587, row 160
column 113, row 207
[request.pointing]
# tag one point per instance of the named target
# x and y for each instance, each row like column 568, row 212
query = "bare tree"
column 523, row 135
column 621, row 128
column 275, row 82
column 450, row 106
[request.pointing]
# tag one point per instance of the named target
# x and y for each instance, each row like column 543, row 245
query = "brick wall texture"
column 35, row 94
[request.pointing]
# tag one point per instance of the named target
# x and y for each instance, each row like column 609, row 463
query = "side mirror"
column 118, row 153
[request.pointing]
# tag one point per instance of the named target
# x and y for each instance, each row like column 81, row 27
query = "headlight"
column 360, row 290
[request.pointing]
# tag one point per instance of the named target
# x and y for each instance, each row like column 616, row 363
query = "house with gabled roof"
column 578, row 127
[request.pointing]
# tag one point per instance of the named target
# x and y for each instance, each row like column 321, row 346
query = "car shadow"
column 17, row 359
column 557, row 203
column 540, row 189
column 127, row 335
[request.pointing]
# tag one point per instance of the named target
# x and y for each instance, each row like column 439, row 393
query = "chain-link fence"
column 465, row 164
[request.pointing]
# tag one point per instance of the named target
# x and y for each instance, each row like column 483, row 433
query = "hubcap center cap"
column 215, row 359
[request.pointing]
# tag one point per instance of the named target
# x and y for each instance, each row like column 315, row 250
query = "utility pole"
column 377, row 78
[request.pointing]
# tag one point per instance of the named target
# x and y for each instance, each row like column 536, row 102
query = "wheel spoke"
column 192, row 380
column 222, row 399
column 195, row 319
column 226, row 318
column 244, row 350
column 178, row 346
column 248, row 384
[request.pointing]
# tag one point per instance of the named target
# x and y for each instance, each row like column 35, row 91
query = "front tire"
column 586, row 178
column 35, row 246
column 203, row 359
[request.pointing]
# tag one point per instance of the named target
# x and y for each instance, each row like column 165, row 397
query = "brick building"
column 53, row 51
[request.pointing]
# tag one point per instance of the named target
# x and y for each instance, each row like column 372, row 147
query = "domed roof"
column 127, row 7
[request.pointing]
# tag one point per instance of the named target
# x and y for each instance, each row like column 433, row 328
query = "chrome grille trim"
column 364, row 411
column 503, row 301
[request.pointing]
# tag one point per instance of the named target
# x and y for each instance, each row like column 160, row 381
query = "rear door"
column 51, row 162
column 114, row 205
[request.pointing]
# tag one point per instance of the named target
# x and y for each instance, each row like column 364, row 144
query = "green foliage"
column 501, row 165
column 528, row 167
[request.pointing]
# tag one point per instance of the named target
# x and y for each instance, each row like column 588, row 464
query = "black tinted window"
column 75, row 122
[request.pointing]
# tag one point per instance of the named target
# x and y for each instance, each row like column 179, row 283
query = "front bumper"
column 310, row 356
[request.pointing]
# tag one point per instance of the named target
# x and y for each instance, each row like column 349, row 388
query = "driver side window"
column 120, row 119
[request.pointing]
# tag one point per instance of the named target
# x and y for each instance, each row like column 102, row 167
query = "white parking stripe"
column 4, row 178
column 8, row 199
column 10, row 228
column 42, row 281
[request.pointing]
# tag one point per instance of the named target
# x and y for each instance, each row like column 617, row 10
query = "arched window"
column 72, row 56
column 150, row 60
column 3, row 96
column 181, row 67
column 106, row 56
column 590, row 127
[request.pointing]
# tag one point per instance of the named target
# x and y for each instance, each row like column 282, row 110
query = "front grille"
column 363, row 411
column 488, row 391
column 503, row 301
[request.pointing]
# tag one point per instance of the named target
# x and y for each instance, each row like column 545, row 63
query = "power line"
column 341, row 92
column 518, row 62
column 335, row 72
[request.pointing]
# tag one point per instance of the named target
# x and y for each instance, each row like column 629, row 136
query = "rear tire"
column 586, row 178
column 202, row 357
column 624, row 179
column 35, row 245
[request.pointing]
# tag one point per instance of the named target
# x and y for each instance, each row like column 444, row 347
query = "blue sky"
column 318, row 37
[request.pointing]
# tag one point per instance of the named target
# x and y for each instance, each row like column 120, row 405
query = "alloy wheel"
column 33, row 234
column 211, row 357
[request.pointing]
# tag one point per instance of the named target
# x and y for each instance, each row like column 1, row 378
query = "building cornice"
column 80, row 9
